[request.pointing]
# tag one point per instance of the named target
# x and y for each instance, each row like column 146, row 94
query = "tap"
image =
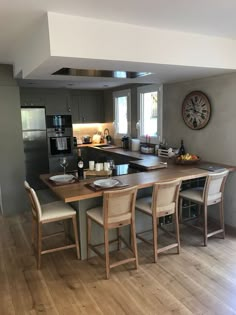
column 106, row 132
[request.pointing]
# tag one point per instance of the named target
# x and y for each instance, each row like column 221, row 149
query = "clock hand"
column 197, row 111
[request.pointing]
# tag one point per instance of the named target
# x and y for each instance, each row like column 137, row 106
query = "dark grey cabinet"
column 87, row 107
column 56, row 101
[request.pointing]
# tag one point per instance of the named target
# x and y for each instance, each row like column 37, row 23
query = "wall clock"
column 196, row 110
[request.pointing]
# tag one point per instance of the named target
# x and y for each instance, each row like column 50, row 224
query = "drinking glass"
column 64, row 163
column 111, row 166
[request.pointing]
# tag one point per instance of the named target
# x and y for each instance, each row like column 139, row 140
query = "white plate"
column 106, row 183
column 62, row 178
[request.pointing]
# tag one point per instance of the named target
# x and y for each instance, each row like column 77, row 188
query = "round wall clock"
column 196, row 110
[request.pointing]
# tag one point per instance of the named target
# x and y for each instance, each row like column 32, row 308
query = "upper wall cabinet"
column 56, row 101
column 87, row 107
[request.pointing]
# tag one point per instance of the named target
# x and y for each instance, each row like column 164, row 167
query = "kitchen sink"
column 106, row 146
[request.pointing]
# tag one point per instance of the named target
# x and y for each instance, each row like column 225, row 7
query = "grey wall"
column 12, row 171
column 217, row 141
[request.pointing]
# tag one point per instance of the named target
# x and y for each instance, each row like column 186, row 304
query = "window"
column 121, row 100
column 150, row 112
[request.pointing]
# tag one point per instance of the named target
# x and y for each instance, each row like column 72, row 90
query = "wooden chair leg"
column 154, row 224
column 222, row 221
column 205, row 225
column 106, row 241
column 76, row 236
column 134, row 243
column 177, row 231
column 89, row 222
column 39, row 241
column 118, row 237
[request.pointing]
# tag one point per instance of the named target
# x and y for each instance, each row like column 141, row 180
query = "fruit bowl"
column 187, row 159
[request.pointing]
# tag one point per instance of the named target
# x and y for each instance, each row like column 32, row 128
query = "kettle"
column 125, row 142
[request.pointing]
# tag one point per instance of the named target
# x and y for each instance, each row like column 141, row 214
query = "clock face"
column 196, row 110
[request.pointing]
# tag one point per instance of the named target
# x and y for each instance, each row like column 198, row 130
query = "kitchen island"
column 83, row 198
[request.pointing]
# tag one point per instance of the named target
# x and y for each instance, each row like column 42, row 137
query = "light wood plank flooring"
column 198, row 281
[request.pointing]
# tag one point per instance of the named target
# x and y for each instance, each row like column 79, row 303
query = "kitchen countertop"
column 78, row 191
column 94, row 145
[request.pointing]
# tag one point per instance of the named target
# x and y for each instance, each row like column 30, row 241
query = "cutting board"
column 148, row 165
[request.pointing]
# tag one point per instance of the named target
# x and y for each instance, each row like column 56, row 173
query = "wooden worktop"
column 78, row 191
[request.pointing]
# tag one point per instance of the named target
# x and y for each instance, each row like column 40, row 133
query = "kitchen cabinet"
column 56, row 101
column 32, row 100
column 87, row 107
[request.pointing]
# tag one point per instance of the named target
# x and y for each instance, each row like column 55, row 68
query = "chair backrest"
column 214, row 185
column 165, row 197
column 35, row 205
column 119, row 205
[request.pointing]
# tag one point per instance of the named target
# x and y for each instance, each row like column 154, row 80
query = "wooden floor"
column 198, row 281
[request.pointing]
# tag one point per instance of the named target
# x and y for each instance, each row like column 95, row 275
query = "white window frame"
column 146, row 89
column 115, row 95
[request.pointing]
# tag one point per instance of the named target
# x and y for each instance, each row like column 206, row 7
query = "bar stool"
column 211, row 194
column 118, row 210
column 163, row 202
column 50, row 212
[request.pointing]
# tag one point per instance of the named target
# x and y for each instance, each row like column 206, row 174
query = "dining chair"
column 211, row 194
column 118, row 210
column 47, row 213
column 163, row 202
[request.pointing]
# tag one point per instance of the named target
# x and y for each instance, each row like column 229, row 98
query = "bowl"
column 186, row 162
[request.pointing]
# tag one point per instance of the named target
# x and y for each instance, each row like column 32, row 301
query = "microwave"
column 58, row 122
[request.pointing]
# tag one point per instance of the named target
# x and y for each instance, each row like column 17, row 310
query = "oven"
column 60, row 145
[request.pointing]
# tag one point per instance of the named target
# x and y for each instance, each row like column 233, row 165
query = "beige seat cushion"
column 196, row 194
column 56, row 210
column 96, row 214
column 145, row 205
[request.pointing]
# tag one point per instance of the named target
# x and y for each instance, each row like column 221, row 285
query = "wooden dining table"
column 80, row 195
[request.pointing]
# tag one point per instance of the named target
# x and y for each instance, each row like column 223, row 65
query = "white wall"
column 79, row 37
column 59, row 40
column 217, row 141
column 31, row 49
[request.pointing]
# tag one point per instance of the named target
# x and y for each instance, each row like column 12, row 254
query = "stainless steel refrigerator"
column 35, row 144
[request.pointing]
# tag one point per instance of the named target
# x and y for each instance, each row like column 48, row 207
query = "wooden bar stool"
column 118, row 210
column 211, row 194
column 47, row 213
column 163, row 202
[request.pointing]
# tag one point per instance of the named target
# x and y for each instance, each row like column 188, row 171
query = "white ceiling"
column 210, row 17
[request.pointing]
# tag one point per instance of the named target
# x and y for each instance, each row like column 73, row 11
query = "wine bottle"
column 182, row 148
column 80, row 165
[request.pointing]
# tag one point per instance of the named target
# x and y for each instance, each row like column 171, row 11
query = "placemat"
column 96, row 188
column 74, row 181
